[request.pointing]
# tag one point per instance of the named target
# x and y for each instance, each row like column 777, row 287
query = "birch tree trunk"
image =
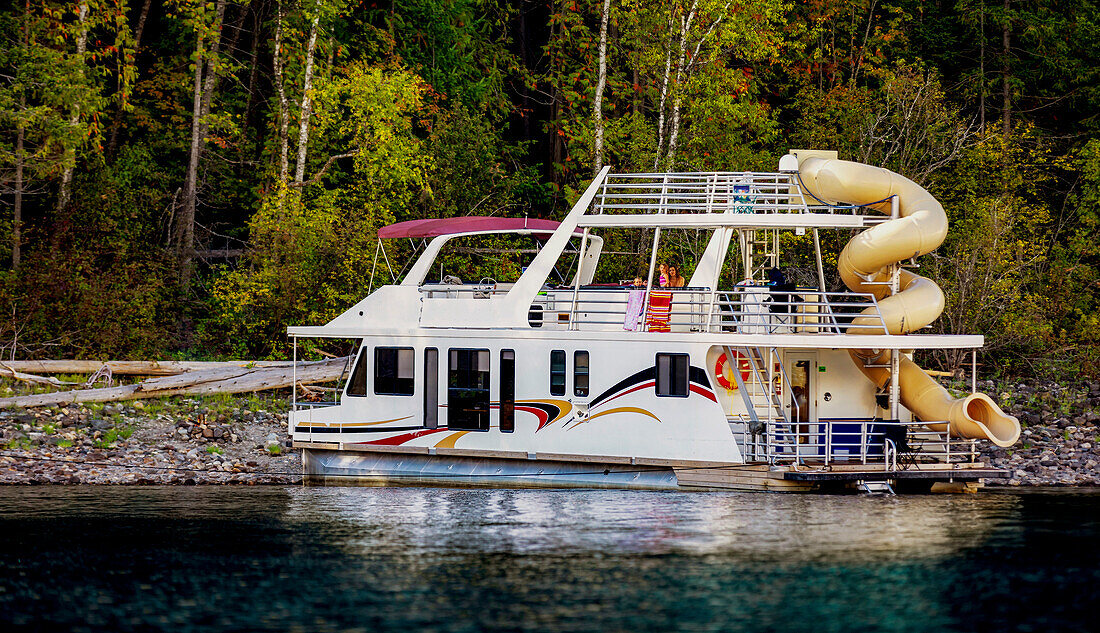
column 664, row 88
column 284, row 105
column 601, row 81
column 678, row 99
column 203, row 87
column 116, row 124
column 17, row 210
column 65, row 193
column 1006, row 111
column 981, row 68
column 307, row 105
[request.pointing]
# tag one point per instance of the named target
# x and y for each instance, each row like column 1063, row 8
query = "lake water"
column 412, row 559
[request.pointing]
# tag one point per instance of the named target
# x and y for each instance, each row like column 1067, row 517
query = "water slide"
column 866, row 262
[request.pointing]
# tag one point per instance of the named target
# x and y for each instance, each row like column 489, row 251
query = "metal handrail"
column 707, row 192
column 860, row 442
column 698, row 313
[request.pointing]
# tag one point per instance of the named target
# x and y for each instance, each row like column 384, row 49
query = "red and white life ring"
column 720, row 376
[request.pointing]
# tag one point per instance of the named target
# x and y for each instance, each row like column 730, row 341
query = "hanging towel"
column 660, row 310
column 634, row 302
column 754, row 312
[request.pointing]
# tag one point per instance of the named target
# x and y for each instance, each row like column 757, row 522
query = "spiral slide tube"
column 920, row 228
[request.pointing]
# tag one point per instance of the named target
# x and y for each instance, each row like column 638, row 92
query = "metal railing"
column 742, row 310
column 708, row 192
column 893, row 445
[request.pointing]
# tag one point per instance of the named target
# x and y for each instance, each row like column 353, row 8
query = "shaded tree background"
column 185, row 178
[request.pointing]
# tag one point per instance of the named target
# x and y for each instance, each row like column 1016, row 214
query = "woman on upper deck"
column 674, row 278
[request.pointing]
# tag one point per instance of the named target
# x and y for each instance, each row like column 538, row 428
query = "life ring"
column 720, row 370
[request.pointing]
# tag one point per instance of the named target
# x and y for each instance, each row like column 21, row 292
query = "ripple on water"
column 319, row 559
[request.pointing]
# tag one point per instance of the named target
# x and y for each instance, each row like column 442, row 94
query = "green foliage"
column 992, row 265
column 308, row 246
column 215, row 450
column 423, row 108
column 108, row 439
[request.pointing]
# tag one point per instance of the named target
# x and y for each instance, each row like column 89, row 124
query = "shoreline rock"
column 183, row 442
column 1060, row 439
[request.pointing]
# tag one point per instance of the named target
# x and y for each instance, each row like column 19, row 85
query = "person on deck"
column 674, row 278
column 662, row 279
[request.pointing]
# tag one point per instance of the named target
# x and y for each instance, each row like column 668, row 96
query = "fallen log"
column 134, row 367
column 31, row 378
column 218, row 380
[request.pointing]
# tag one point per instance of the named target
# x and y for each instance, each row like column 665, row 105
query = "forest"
column 185, row 178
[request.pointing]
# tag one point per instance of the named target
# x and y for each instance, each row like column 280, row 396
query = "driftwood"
column 5, row 370
column 217, row 380
column 132, row 367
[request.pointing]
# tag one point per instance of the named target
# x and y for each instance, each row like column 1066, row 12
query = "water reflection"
column 340, row 559
column 747, row 526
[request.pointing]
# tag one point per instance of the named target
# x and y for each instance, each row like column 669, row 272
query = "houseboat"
column 563, row 373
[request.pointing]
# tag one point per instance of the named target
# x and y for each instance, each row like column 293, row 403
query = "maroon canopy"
column 470, row 224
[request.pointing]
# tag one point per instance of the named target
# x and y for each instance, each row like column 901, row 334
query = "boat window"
column 393, row 371
column 507, row 391
column 431, row 388
column 468, row 389
column 672, row 375
column 580, row 374
column 357, row 384
column 557, row 372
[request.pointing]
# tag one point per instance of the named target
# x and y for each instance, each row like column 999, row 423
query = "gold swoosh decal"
column 345, row 425
column 616, row 410
column 449, row 441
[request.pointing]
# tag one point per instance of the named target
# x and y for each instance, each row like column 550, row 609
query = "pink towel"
column 633, row 318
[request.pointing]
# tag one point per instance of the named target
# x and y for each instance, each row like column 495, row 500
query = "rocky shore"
column 244, row 440
column 1060, row 441
column 180, row 441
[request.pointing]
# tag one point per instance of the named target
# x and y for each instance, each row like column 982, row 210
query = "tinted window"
column 431, row 388
column 507, row 391
column 580, row 374
column 557, row 372
column 468, row 389
column 357, row 384
column 393, row 371
column 672, row 375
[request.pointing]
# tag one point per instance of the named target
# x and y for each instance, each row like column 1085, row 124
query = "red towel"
column 660, row 310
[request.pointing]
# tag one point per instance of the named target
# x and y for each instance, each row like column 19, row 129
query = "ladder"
column 764, row 406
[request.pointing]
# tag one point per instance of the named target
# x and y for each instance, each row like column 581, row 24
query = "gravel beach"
column 178, row 441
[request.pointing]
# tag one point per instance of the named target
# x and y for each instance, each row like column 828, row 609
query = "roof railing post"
column 973, row 370
column 577, row 281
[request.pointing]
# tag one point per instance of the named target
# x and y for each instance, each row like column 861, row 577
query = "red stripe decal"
column 706, row 393
column 543, row 416
column 648, row 383
column 397, row 440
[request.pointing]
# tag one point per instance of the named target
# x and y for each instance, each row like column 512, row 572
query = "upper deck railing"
column 709, row 192
column 743, row 309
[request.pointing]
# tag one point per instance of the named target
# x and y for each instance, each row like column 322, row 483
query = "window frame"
column 431, row 387
column 396, row 378
column 563, row 372
column 484, row 422
column 686, row 382
column 577, row 373
column 359, row 367
column 507, row 399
